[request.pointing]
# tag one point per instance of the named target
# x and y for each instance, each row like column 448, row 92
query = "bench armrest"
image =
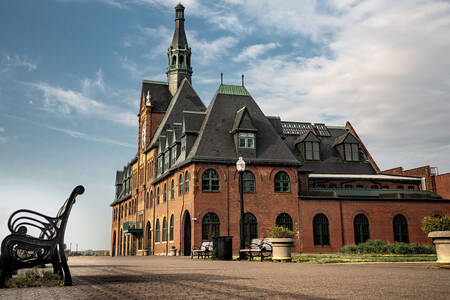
column 23, row 219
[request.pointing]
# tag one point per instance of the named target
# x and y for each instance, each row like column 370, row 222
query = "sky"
column 71, row 72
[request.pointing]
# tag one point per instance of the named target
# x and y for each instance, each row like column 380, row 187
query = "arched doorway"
column 187, row 234
column 113, row 252
column 149, row 237
column 210, row 226
column 250, row 227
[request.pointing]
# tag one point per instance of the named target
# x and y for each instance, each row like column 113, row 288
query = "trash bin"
column 224, row 247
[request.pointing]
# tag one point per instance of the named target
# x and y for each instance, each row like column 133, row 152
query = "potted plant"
column 438, row 229
column 282, row 240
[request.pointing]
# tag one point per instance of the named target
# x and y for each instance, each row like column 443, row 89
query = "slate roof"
column 184, row 99
column 179, row 39
column 192, row 121
column 216, row 144
column 330, row 161
column 159, row 93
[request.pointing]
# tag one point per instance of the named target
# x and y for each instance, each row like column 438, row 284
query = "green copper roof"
column 374, row 192
column 154, row 82
column 237, row 90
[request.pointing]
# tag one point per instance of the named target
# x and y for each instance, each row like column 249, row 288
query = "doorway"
column 187, row 234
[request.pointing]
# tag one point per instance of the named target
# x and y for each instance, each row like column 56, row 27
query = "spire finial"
column 242, row 79
column 221, row 78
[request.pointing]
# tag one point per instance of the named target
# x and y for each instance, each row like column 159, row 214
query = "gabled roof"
column 159, row 95
column 243, row 121
column 309, row 136
column 184, row 99
column 345, row 138
column 216, row 144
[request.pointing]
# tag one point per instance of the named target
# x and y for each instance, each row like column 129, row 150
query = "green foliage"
column 352, row 258
column 35, row 278
column 431, row 223
column 280, row 232
column 214, row 254
column 381, row 247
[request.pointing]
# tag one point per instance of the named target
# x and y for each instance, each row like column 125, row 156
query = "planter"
column 173, row 252
column 441, row 239
column 281, row 248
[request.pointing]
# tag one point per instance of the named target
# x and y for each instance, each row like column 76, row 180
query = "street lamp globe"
column 240, row 165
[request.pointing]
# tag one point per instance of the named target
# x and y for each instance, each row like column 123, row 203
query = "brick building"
column 318, row 180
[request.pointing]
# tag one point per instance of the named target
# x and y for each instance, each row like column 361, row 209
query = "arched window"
column 147, row 202
column 186, row 182
column 210, row 226
column 157, row 195
column 180, row 185
column 210, row 181
column 172, row 189
column 282, row 182
column 321, row 230
column 171, row 228
column 151, row 198
column 174, row 60
column 149, row 235
column 126, row 209
column 250, row 227
column 249, row 182
column 400, row 229
column 361, row 228
column 157, row 234
column 165, row 192
column 120, row 242
column 181, row 61
column 284, row 220
column 164, row 233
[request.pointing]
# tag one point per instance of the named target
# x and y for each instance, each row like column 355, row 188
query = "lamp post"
column 240, row 166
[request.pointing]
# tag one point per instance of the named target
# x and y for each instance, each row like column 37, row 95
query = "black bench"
column 21, row 250
column 258, row 248
column 203, row 251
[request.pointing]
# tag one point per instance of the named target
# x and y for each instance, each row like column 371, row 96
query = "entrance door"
column 113, row 253
column 133, row 251
column 187, row 234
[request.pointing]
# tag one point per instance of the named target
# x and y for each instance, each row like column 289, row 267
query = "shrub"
column 381, row 247
column 35, row 278
column 431, row 223
column 280, row 232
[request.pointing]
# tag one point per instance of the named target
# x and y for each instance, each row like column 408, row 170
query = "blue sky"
column 70, row 73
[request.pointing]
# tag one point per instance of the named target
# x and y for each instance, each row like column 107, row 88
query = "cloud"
column 386, row 71
column 210, row 50
column 84, row 136
column 9, row 63
column 88, row 84
column 67, row 102
column 2, row 130
column 253, row 51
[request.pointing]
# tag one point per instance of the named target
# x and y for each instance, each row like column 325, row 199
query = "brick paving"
column 183, row 278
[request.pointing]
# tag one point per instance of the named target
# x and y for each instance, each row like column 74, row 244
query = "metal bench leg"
column 67, row 277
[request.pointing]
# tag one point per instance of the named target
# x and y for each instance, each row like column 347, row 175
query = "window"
column 181, row 61
column 348, row 186
column 172, row 189
column 400, row 187
column 411, row 188
column 157, row 234
column 126, row 208
column 361, row 228
column 312, row 151
column 250, row 227
column 374, row 187
column 165, row 193
column 351, row 152
column 249, row 182
column 320, row 186
column 282, row 182
column 210, row 181
column 183, row 144
column 157, row 196
column 160, row 165
column 210, row 226
column 166, row 161
column 173, row 155
column 246, row 140
column 400, row 229
column 164, row 233
column 151, row 198
column 149, row 236
column 171, row 228
column 332, row 186
column 321, row 231
column 385, row 187
column 186, row 182
column 284, row 220
column 174, row 60
column 359, row 186
column 180, row 185
column 147, row 202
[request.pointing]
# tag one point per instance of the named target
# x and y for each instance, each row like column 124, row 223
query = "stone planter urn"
column 441, row 239
column 281, row 248
column 173, row 251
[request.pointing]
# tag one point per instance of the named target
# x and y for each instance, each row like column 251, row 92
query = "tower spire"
column 179, row 54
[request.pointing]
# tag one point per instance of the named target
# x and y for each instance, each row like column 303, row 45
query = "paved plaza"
column 183, row 278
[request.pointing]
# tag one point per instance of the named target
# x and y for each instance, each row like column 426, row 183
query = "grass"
column 35, row 278
column 352, row 258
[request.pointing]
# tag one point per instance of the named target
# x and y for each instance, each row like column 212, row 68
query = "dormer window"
column 166, row 161
column 246, row 140
column 312, row 151
column 173, row 155
column 351, row 152
column 160, row 165
column 183, row 144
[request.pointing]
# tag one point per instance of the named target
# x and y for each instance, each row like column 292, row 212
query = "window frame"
column 279, row 182
column 321, row 230
column 210, row 184
column 246, row 140
column 186, row 182
column 247, row 182
column 180, row 184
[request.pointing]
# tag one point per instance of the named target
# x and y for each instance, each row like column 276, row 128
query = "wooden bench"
column 22, row 250
column 203, row 251
column 258, row 248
